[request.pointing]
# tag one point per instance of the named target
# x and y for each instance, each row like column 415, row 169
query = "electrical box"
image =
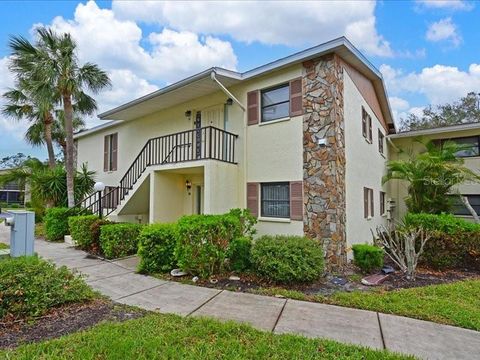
column 22, row 232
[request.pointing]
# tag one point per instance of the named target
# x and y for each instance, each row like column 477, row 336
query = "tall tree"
column 56, row 66
column 23, row 103
column 464, row 111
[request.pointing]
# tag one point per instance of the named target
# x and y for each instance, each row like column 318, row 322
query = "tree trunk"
column 470, row 208
column 68, row 109
column 48, row 140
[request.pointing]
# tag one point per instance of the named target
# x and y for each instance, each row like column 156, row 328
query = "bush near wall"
column 56, row 222
column 203, row 241
column 455, row 242
column 156, row 246
column 286, row 259
column 239, row 254
column 367, row 257
column 119, row 240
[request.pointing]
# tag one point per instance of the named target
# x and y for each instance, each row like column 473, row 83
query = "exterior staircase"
column 207, row 143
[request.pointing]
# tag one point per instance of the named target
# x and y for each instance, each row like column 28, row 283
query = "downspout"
column 393, row 145
column 230, row 95
column 225, row 90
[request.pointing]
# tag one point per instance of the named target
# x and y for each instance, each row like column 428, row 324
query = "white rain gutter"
column 225, row 90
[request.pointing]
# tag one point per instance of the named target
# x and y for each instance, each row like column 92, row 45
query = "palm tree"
column 35, row 134
column 53, row 63
column 431, row 176
column 23, row 104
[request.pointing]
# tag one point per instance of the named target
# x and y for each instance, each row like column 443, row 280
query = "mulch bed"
column 62, row 321
column 350, row 281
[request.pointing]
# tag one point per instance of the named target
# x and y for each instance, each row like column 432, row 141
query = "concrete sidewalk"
column 118, row 280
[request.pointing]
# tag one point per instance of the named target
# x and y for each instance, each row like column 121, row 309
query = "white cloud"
column 446, row 4
column 118, row 44
column 439, row 83
column 444, row 30
column 294, row 23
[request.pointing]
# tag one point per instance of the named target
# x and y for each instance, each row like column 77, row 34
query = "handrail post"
column 210, row 142
column 100, row 210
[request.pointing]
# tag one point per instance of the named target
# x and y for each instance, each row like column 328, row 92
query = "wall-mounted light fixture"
column 229, row 101
column 188, row 114
column 188, row 185
column 321, row 141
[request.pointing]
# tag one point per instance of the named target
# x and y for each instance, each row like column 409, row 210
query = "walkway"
column 118, row 280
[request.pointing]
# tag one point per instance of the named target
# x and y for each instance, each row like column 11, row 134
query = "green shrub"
column 156, row 246
column 30, row 286
column 288, row 258
column 81, row 230
column 203, row 242
column 239, row 253
column 119, row 240
column 56, row 222
column 454, row 242
column 367, row 257
column 39, row 213
column 247, row 222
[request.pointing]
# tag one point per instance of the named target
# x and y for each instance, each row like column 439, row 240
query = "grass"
column 4, row 246
column 159, row 336
column 455, row 304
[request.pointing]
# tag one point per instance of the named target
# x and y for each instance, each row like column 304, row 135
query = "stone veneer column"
column 324, row 166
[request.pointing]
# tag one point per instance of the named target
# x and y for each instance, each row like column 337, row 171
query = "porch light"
column 188, row 184
column 229, row 101
column 188, row 114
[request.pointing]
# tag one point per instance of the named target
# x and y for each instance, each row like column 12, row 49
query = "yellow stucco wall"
column 410, row 146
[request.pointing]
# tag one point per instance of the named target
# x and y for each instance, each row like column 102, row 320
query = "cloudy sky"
column 428, row 51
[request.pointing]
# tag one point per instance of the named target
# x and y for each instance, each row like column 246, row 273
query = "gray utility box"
column 22, row 232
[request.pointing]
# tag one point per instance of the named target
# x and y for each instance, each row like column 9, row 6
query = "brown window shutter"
column 370, row 136
column 114, row 151
column 252, row 198
column 296, row 200
column 296, row 107
column 252, row 107
column 364, row 123
column 105, row 153
column 365, row 202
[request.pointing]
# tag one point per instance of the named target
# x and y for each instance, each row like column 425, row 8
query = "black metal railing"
column 191, row 145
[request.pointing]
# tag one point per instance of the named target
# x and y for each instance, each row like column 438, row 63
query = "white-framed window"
column 381, row 142
column 275, row 103
column 275, row 200
column 366, row 125
column 367, row 203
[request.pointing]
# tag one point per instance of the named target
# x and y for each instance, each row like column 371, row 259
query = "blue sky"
column 427, row 51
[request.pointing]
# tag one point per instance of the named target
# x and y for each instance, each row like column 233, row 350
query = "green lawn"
column 4, row 246
column 158, row 336
column 455, row 304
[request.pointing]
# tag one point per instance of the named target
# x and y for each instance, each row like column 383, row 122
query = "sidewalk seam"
column 138, row 292
column 381, row 330
column 279, row 315
column 106, row 277
column 205, row 303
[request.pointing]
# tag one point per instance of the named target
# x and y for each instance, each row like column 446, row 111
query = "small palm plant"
column 431, row 176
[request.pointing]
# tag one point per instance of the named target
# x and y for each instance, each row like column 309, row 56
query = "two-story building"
column 300, row 141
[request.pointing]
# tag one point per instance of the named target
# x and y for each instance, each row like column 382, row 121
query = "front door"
column 198, row 134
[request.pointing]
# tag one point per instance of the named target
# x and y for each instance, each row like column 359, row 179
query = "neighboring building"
column 10, row 193
column 465, row 134
column 300, row 141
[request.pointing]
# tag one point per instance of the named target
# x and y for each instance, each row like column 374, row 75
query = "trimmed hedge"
column 203, row 241
column 81, row 230
column 56, row 222
column 119, row 240
column 287, row 259
column 455, row 242
column 156, row 246
column 30, row 286
column 367, row 257
column 239, row 254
